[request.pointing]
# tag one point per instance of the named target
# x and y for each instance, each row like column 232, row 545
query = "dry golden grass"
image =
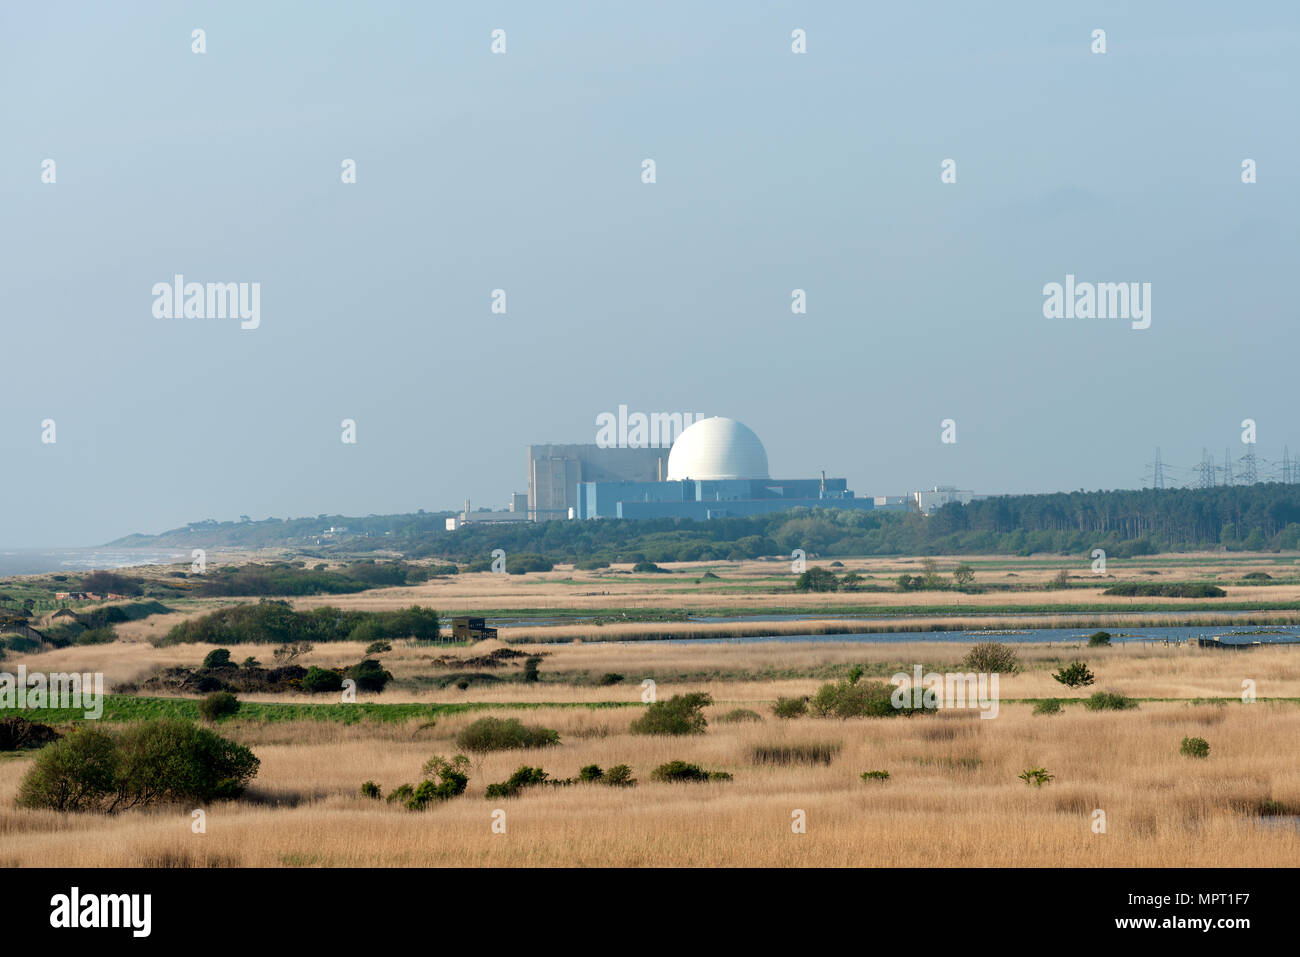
column 953, row 798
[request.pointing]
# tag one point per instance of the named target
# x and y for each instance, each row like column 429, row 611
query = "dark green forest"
column 1265, row 516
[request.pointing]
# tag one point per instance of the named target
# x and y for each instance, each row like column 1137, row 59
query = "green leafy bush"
column 1048, row 706
column 1109, row 701
column 530, row 669
column 620, row 776
column 320, row 680
column 1035, row 777
column 1099, row 639
column 504, row 734
column 218, row 705
column 680, row 714
column 1195, row 748
column 817, row 579
column 524, row 777
column 155, row 762
column 371, row 790
column 610, row 678
column 369, row 675
column 790, row 707
column 865, row 699
column 1075, row 675
column 590, row 773
column 875, row 775
column 443, row 780
column 217, row 658
column 991, row 657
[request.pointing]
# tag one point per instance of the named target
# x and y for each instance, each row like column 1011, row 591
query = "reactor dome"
column 717, row 448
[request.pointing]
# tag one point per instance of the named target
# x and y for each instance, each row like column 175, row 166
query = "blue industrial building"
column 717, row 468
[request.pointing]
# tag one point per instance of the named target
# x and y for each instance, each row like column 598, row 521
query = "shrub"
column 739, row 716
column 648, row 567
column 22, row 644
column 103, row 635
column 319, row 680
column 19, row 734
column 217, row 658
column 1195, row 748
column 785, row 754
column 590, row 773
column 155, row 762
column 1048, row 706
column 218, row 705
column 369, row 675
column 680, row 714
column 610, row 678
column 1075, row 675
column 790, row 707
column 817, row 579
column 504, row 734
column 400, row 794
column 865, row 699
column 530, row 669
column 1036, row 777
column 875, row 775
column 524, row 777
column 679, row 771
column 1109, row 701
column 991, row 657
column 452, row 778
column 1099, row 639
column 371, row 790
column 620, row 776
column 378, row 647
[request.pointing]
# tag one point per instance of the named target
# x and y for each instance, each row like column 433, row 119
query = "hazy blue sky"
column 775, row 171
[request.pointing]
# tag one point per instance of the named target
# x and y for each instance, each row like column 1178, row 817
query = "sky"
column 523, row 171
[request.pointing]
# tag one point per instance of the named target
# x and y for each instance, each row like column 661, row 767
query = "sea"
column 34, row 561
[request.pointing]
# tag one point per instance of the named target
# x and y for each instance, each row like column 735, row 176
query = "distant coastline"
column 37, row 561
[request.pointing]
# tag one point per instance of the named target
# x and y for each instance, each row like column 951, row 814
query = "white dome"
column 717, row 448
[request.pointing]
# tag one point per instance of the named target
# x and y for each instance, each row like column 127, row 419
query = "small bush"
column 610, row 678
column 680, row 771
column 680, row 714
column 400, row 794
column 1075, row 675
column 620, row 776
column 739, row 716
column 530, row 669
column 790, row 707
column 369, row 675
column 218, row 658
column 875, row 775
column 864, row 699
column 378, row 647
column 504, row 734
column 1109, row 701
column 1099, row 639
column 451, row 779
column 371, row 790
column 320, row 680
column 1048, row 706
column 1035, row 777
column 991, row 657
column 590, row 773
column 218, row 705
column 524, row 777
column 1195, row 748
